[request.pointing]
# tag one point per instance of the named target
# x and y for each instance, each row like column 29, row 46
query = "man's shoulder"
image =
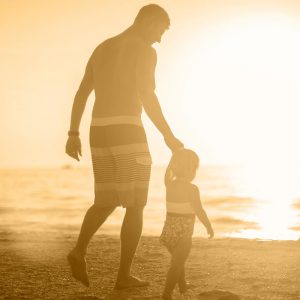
column 98, row 50
column 122, row 42
column 103, row 44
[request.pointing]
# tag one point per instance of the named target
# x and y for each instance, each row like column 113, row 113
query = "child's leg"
column 179, row 256
column 182, row 281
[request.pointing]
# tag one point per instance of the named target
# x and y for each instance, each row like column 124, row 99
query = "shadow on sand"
column 127, row 295
column 218, row 295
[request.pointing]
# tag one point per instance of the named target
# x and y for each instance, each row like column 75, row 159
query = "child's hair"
column 183, row 164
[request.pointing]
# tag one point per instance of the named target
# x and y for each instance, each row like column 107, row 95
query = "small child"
column 183, row 203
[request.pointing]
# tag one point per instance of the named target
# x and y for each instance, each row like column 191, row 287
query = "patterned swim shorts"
column 121, row 161
column 176, row 227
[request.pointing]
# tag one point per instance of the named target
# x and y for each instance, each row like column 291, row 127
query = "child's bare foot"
column 184, row 297
column 130, row 282
column 78, row 267
column 166, row 296
column 183, row 288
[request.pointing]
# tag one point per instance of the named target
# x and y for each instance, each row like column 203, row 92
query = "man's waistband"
column 116, row 120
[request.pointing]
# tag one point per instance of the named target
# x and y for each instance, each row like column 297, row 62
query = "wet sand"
column 34, row 266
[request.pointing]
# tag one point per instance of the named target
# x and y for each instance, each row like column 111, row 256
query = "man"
column 121, row 72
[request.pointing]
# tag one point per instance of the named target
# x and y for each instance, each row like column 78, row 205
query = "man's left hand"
column 173, row 143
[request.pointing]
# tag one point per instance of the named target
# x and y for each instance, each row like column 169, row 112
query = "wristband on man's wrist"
column 73, row 133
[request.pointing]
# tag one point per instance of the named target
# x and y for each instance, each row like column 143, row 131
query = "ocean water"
column 239, row 202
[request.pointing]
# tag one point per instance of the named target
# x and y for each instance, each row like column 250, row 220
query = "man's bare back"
column 121, row 67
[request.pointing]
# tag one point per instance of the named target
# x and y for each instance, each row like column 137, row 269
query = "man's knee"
column 135, row 211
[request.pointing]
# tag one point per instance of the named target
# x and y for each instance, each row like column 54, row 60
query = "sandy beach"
column 34, row 266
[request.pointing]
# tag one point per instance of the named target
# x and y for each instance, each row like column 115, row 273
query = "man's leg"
column 130, row 236
column 94, row 218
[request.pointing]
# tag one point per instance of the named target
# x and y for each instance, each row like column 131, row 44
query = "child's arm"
column 168, row 175
column 200, row 212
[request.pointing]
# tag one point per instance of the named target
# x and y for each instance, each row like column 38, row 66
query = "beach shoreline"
column 33, row 266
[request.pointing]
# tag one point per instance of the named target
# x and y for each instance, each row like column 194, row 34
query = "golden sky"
column 227, row 76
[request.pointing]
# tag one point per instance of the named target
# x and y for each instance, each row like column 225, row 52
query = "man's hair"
column 153, row 11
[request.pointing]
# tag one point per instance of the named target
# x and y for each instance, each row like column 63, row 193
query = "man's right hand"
column 73, row 147
column 173, row 143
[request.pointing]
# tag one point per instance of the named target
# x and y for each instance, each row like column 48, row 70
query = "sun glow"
column 275, row 188
column 242, row 90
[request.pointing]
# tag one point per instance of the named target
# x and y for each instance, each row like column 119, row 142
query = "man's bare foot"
column 131, row 282
column 78, row 267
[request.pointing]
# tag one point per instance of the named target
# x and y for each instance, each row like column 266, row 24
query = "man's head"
column 153, row 21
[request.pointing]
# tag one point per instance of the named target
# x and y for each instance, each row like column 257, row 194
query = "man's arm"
column 73, row 146
column 153, row 110
column 84, row 90
column 146, row 87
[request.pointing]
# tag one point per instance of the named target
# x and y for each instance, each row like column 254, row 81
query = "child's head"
column 183, row 164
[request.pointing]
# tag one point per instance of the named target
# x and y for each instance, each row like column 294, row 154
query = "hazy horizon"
column 37, row 199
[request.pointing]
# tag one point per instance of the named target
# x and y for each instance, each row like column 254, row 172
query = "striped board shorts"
column 121, row 161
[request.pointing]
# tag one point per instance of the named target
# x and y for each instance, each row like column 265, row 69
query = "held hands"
column 173, row 143
column 73, row 147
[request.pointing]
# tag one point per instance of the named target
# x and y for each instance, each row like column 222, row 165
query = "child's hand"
column 173, row 143
column 210, row 232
